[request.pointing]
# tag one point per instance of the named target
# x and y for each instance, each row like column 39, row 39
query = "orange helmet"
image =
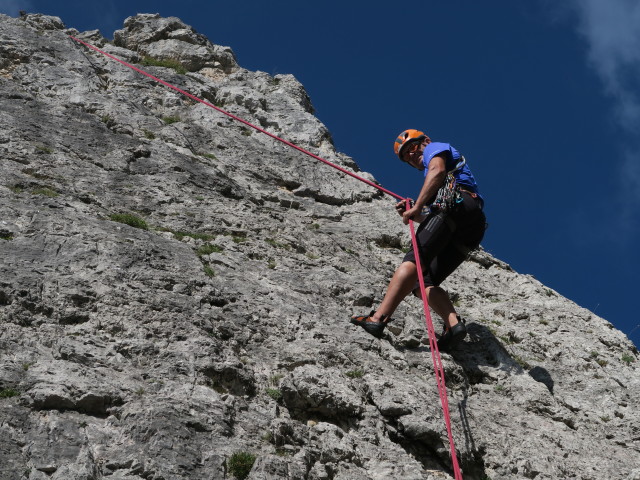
column 405, row 138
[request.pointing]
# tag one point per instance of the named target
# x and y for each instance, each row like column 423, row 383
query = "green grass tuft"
column 274, row 393
column 277, row 244
column 46, row 191
column 209, row 248
column 166, row 63
column 8, row 393
column 44, row 149
column 240, row 464
column 108, row 120
column 130, row 220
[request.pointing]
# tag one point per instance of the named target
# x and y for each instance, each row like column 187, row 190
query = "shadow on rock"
column 479, row 356
column 482, row 351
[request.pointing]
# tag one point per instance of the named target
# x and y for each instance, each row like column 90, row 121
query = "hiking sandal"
column 374, row 328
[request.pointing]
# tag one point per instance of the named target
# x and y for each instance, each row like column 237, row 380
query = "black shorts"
column 444, row 240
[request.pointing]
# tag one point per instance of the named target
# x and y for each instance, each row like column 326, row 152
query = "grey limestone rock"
column 170, row 39
column 175, row 290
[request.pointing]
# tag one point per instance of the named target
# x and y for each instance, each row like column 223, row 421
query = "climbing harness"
column 435, row 354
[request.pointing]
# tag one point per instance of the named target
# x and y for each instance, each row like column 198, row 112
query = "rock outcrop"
column 175, row 288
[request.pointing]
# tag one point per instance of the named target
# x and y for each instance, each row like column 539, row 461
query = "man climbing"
column 451, row 226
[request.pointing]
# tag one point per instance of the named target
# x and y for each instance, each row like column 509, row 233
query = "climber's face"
column 413, row 155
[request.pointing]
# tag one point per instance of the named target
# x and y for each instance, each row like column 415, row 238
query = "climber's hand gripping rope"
column 408, row 211
column 404, row 205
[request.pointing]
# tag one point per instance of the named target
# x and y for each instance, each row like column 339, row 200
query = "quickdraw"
column 449, row 195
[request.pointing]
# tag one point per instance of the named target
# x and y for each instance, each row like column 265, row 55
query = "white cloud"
column 13, row 7
column 611, row 29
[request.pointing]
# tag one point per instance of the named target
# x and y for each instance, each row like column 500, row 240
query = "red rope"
column 435, row 354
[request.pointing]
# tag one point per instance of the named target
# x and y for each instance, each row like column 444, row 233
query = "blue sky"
column 543, row 100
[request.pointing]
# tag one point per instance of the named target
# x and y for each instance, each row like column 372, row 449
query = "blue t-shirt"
column 464, row 177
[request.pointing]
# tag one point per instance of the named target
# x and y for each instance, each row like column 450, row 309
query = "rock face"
column 175, row 288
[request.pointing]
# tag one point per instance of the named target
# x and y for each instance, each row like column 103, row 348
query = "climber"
column 452, row 224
